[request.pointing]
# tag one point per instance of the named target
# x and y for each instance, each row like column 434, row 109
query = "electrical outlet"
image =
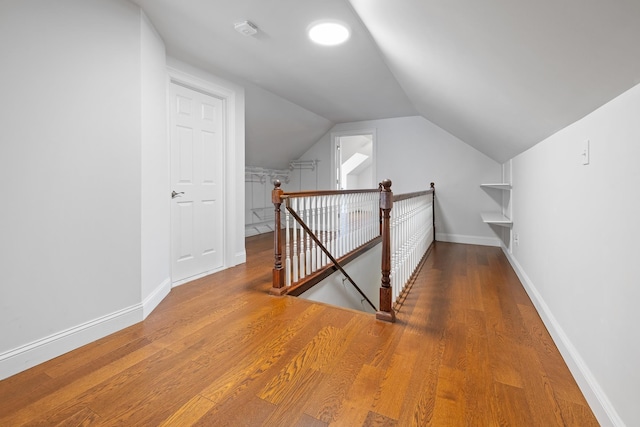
column 516, row 239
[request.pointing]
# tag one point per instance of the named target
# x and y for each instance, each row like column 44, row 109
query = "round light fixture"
column 329, row 33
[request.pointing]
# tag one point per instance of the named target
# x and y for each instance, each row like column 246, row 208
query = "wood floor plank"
column 390, row 397
column 253, row 412
column 576, row 415
column 287, row 379
column 551, row 359
column 308, row 421
column 468, row 349
column 190, row 412
column 503, row 359
column 257, row 363
column 420, row 397
column 147, row 388
column 97, row 353
column 294, row 398
column 327, row 399
column 359, row 398
column 78, row 415
column 479, row 394
column 377, row 420
column 449, row 409
column 29, row 411
column 515, row 410
column 539, row 390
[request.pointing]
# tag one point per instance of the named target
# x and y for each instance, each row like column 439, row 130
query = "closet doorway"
column 354, row 160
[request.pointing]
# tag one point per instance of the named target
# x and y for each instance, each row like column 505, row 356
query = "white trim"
column 595, row 395
column 228, row 97
column 47, row 348
column 374, row 149
column 241, row 257
column 196, row 277
column 151, row 302
column 468, row 240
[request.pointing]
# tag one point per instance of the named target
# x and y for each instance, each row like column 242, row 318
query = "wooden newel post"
column 433, row 209
column 386, row 296
column 278, row 273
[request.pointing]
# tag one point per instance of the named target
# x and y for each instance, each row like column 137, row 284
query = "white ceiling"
column 500, row 75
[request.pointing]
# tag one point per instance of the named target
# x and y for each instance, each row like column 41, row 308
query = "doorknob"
column 174, row 194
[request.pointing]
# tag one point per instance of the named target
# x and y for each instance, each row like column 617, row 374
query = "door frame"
column 228, row 97
column 335, row 137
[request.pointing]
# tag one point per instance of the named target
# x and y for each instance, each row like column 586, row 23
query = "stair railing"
column 408, row 231
column 320, row 227
column 323, row 227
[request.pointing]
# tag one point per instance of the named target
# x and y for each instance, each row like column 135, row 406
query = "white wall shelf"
column 502, row 217
column 499, row 186
column 496, row 218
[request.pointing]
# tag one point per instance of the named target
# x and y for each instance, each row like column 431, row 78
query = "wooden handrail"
column 399, row 197
column 312, row 193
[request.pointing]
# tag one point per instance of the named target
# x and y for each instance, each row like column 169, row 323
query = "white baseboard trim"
column 596, row 397
column 151, row 302
column 196, row 277
column 39, row 351
column 240, row 258
column 468, row 240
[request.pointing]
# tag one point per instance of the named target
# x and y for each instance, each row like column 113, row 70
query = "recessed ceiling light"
column 329, row 33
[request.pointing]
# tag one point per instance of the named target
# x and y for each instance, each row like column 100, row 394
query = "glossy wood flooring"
column 468, row 350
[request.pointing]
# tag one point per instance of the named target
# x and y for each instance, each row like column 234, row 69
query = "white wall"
column 84, row 165
column 578, row 254
column 304, row 178
column 259, row 210
column 70, row 168
column 278, row 130
column 412, row 152
column 365, row 272
column 155, row 269
column 365, row 178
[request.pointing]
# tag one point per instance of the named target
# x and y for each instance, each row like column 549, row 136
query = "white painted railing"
column 412, row 232
column 342, row 223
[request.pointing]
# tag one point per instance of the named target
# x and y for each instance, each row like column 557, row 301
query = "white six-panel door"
column 197, row 162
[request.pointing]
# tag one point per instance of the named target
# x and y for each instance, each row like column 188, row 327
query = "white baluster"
column 352, row 222
column 303, row 262
column 294, row 206
column 323, row 231
column 332, row 217
column 314, row 211
column 287, row 259
column 340, row 228
column 308, row 238
column 356, row 221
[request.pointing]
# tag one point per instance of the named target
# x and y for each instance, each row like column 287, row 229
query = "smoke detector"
column 246, row 28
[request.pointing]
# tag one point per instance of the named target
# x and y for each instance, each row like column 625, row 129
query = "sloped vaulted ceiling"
column 503, row 75
column 500, row 75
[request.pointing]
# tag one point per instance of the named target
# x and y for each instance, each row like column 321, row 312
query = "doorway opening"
column 354, row 160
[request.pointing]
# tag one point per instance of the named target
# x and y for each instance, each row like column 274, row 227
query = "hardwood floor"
column 468, row 350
